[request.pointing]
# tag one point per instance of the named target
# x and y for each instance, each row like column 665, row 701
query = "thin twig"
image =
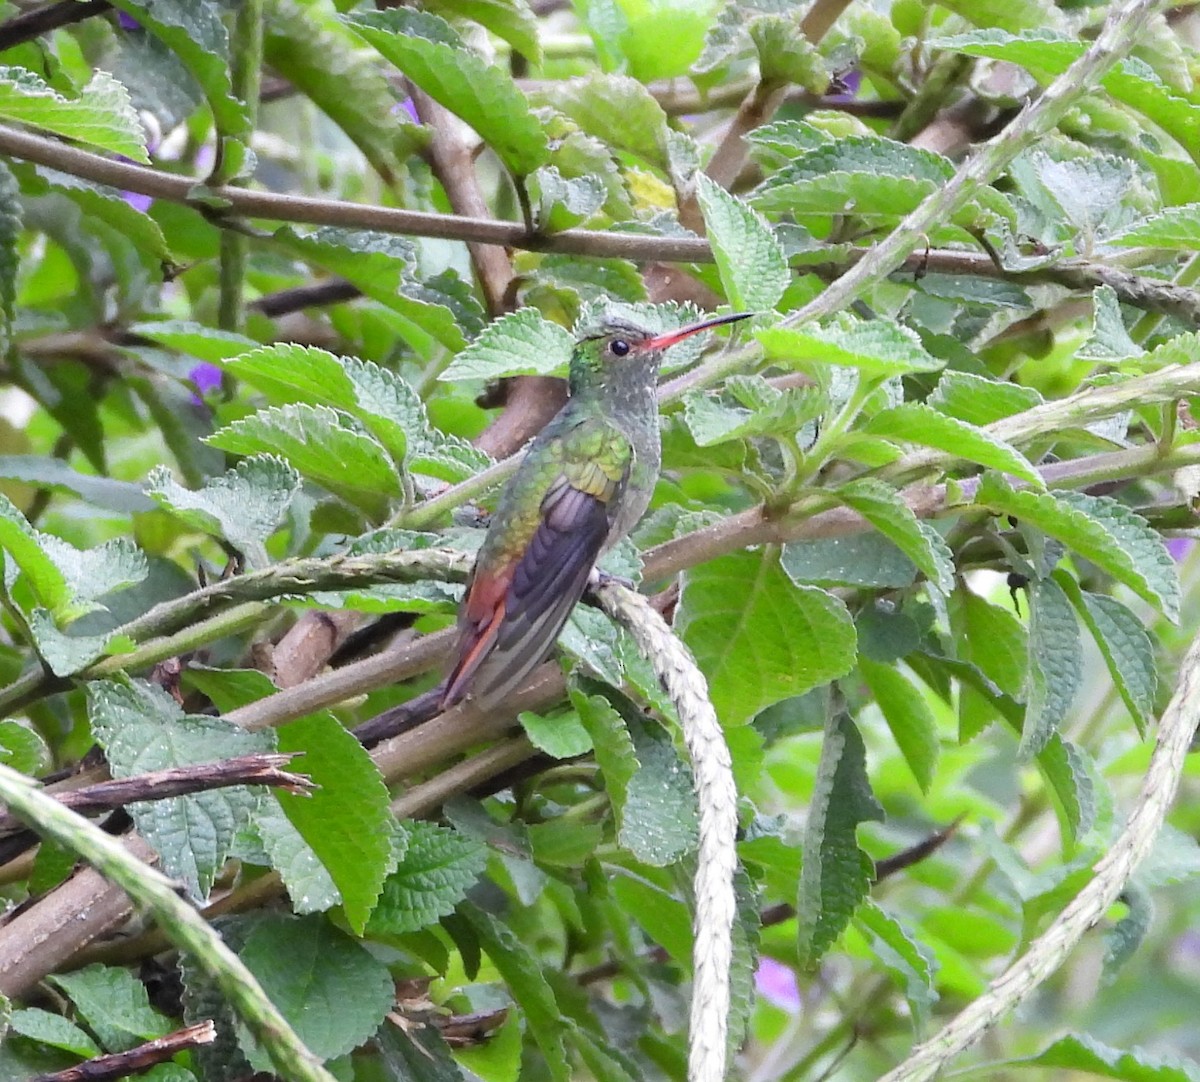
column 41, row 20
column 118, row 1065
column 265, row 768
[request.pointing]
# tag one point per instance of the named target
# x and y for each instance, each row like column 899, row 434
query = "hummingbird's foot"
column 600, row 578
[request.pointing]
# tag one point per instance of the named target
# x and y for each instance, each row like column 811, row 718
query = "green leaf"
column 309, row 46
column 245, row 505
column 114, row 1004
column 772, row 411
column 1109, row 340
column 912, row 964
column 758, row 636
column 908, row 716
column 1125, row 644
column 437, row 868
column 1069, row 774
column 104, row 204
column 884, row 508
column 433, row 56
column 1082, row 1053
column 915, row 422
column 616, row 109
column 93, row 573
column 979, row 401
column 347, row 820
column 54, row 1030
column 1100, row 529
column 836, row 874
column 1174, row 228
column 523, row 342
column 866, row 176
column 22, row 543
column 44, row 471
column 1055, row 664
column 561, row 735
column 512, row 20
column 309, row 885
column 876, row 347
column 750, row 260
column 101, row 117
column 195, row 339
column 785, row 55
column 195, row 32
column 383, row 267
column 1130, row 931
column 528, row 986
column 330, row 988
column 141, row 728
column 1046, row 55
column 323, row 446
column 22, row 749
column 866, row 559
column 68, row 653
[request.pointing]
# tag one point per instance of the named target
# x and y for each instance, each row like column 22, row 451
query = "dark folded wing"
column 546, row 583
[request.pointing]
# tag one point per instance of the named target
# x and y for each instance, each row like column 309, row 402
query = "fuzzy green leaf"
column 195, row 339
column 384, row 267
column 528, row 986
column 908, row 716
column 617, row 109
column 323, row 446
column 512, row 20
column 195, row 32
column 53, row 1030
column 979, row 401
column 913, row 965
column 523, row 342
column 433, row 56
column 1173, row 228
column 884, row 508
column 759, row 637
column 331, row 989
column 875, row 348
column 561, row 735
column 436, row 869
column 101, row 117
column 750, row 261
column 1055, row 664
column 141, row 728
column 915, row 422
column 867, row 559
column 1099, row 529
column 245, row 505
column 1080, row 1053
column 346, row 820
column 114, row 1004
column 835, row 875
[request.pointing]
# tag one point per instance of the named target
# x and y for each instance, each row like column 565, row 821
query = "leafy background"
column 928, row 531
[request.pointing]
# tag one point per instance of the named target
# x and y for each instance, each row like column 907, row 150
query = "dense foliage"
column 285, row 285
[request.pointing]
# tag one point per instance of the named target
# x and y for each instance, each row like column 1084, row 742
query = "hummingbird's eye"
column 619, row 347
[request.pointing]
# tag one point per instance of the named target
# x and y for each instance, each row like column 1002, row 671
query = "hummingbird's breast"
column 635, row 413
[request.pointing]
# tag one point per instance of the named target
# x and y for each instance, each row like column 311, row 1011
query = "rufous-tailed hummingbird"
column 582, row 486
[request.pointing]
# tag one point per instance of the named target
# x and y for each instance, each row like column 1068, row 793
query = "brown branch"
column 285, row 301
column 259, row 769
column 41, row 20
column 40, row 939
column 120, row 1064
column 454, row 167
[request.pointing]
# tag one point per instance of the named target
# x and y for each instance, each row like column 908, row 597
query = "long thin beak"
column 670, row 338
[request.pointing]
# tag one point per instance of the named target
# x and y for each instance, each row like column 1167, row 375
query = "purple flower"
column 205, row 378
column 844, row 86
column 1179, row 547
column 406, row 107
column 777, row 984
column 138, row 201
column 127, row 22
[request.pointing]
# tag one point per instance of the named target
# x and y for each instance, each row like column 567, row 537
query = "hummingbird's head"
column 617, row 350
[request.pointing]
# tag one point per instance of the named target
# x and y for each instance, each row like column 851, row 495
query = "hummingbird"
column 584, row 483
